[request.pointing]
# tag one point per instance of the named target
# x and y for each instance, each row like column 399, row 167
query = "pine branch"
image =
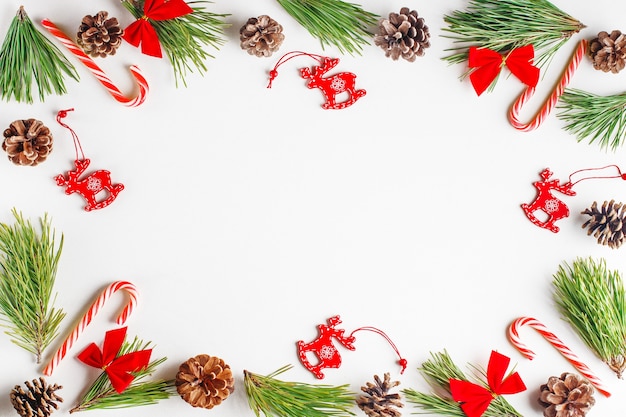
column 276, row 398
column 185, row 37
column 102, row 395
column 26, row 55
column 333, row 22
column 593, row 300
column 599, row 118
column 28, row 271
column 503, row 25
column 438, row 371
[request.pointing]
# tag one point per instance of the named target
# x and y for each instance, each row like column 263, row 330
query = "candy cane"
column 130, row 289
column 557, row 343
column 552, row 99
column 95, row 69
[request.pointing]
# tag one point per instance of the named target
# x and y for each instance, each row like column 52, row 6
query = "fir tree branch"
column 593, row 300
column 276, row 398
column 102, row 395
column 185, row 37
column 333, row 22
column 26, row 55
column 503, row 25
column 438, row 371
column 599, row 118
column 28, row 271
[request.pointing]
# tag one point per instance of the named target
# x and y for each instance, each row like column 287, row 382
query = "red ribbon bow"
column 118, row 368
column 141, row 31
column 487, row 64
column 475, row 398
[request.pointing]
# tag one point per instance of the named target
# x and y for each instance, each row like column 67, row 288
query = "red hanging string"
column 619, row 174
column 402, row 362
column 77, row 147
column 286, row 57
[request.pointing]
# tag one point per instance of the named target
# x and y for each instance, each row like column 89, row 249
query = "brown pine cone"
column 39, row 401
column 261, row 36
column 27, row 142
column 403, row 35
column 378, row 402
column 608, row 51
column 204, row 381
column 567, row 396
column 99, row 36
column 607, row 224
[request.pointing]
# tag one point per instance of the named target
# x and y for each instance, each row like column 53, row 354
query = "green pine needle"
column 602, row 119
column 438, row 371
column 276, row 398
column 102, row 395
column 28, row 264
column 333, row 22
column 593, row 300
column 503, row 25
column 183, row 39
column 26, row 55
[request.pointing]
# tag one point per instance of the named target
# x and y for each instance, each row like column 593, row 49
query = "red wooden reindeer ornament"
column 93, row 184
column 331, row 86
column 327, row 354
column 554, row 208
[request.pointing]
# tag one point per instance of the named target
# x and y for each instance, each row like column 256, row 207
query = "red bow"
column 475, row 398
column 118, row 368
column 487, row 64
column 141, row 31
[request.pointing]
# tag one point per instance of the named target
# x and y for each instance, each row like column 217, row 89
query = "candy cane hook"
column 549, row 104
column 97, row 71
column 128, row 287
column 557, row 343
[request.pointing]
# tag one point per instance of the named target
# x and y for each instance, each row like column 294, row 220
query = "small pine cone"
column 567, row 396
column 39, row 401
column 261, row 36
column 608, row 224
column 403, row 35
column 27, row 142
column 378, row 402
column 204, row 381
column 99, row 36
column 608, row 51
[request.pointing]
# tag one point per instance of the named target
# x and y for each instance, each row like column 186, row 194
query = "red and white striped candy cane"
column 97, row 71
column 557, row 343
column 128, row 287
column 548, row 106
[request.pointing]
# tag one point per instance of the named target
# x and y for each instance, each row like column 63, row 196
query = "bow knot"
column 487, row 64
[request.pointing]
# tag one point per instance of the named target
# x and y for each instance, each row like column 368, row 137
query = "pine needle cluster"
column 27, row 55
column 29, row 264
column 503, row 25
column 438, row 371
column 334, row 22
column 593, row 300
column 101, row 395
column 184, row 38
column 276, row 398
column 601, row 119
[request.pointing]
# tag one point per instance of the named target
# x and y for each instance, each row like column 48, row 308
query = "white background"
column 250, row 215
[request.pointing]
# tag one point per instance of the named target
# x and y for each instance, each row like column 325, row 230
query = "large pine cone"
column 608, row 51
column 378, row 402
column 39, row 401
column 261, row 36
column 27, row 142
column 567, row 396
column 99, row 36
column 204, row 381
column 608, row 224
column 403, row 35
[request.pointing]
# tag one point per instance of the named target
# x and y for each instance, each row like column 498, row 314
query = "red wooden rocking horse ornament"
column 331, row 86
column 93, row 184
column 554, row 208
column 327, row 354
